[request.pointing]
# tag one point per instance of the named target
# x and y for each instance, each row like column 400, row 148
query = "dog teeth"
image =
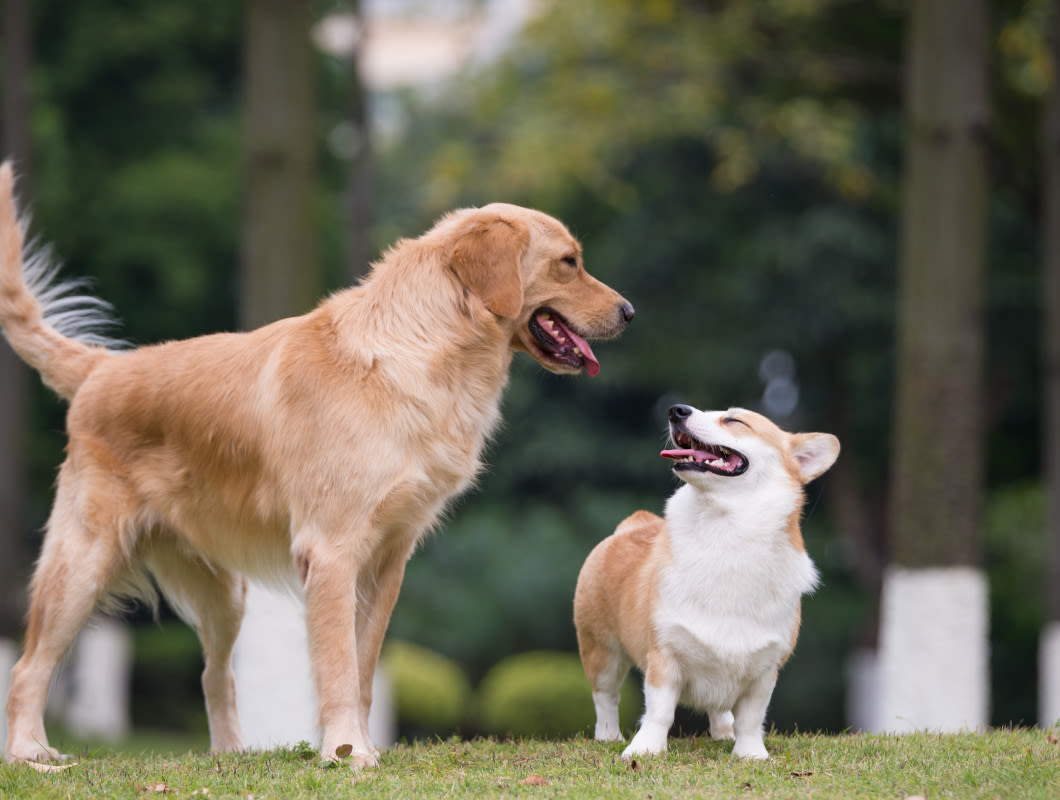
column 550, row 326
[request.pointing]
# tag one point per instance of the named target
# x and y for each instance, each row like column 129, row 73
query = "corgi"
column 706, row 601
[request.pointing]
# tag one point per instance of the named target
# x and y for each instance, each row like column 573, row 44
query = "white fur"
column 727, row 607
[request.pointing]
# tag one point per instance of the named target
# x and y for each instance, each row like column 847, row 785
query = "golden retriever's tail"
column 50, row 323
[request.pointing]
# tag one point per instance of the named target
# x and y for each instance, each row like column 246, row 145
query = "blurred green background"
column 731, row 167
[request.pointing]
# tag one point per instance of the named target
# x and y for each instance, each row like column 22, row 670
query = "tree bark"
column 361, row 193
column 280, row 277
column 1049, row 648
column 934, row 609
column 1051, row 328
column 14, row 375
column 279, row 273
column 938, row 426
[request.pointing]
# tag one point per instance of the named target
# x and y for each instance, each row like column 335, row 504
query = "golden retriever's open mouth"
column 693, row 454
column 555, row 338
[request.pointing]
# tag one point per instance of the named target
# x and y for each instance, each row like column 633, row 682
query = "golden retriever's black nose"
column 627, row 311
column 680, row 412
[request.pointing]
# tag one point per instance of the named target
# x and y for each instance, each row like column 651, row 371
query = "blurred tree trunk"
column 1049, row 699
column 279, row 273
column 14, row 375
column 938, row 426
column 933, row 615
column 361, row 197
column 280, row 277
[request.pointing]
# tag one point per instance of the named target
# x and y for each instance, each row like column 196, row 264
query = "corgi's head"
column 745, row 447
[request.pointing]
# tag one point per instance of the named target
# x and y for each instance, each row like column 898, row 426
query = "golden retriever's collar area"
column 693, row 454
column 560, row 343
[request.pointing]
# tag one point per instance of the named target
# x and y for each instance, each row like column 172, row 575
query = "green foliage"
column 1016, row 555
column 545, row 695
column 167, row 665
column 431, row 692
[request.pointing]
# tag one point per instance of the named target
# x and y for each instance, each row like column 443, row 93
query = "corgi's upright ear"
column 814, row 453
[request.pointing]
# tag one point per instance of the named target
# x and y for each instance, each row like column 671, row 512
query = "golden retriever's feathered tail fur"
column 50, row 323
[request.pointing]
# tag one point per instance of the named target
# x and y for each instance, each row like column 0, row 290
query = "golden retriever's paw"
column 355, row 760
column 41, row 758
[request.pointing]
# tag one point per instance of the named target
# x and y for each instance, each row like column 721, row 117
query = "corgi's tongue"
column 696, row 455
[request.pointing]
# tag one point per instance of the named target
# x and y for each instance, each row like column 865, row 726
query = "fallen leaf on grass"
column 157, row 788
column 805, row 774
column 534, row 780
column 635, row 766
column 344, row 750
column 49, row 767
column 1052, row 738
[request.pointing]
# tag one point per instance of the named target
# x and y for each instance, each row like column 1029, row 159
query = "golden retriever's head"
column 526, row 268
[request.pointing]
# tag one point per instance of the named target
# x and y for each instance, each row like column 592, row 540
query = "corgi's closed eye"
column 730, row 420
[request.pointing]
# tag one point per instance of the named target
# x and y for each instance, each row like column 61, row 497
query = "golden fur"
column 316, row 450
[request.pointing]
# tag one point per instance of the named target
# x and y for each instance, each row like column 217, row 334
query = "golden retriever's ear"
column 486, row 257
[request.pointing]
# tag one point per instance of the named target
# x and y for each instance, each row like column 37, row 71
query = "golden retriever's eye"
column 571, row 261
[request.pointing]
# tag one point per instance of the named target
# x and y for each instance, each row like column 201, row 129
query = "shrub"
column 546, row 695
column 431, row 692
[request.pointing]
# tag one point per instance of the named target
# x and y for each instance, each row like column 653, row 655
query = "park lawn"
column 1021, row 763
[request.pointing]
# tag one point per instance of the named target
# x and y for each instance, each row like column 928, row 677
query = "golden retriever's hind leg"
column 74, row 572
column 212, row 601
column 377, row 594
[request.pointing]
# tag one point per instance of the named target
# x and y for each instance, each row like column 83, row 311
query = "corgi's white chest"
column 727, row 611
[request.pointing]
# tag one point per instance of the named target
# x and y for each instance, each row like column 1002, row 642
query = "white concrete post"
column 1049, row 676
column 8, row 657
column 274, row 678
column 934, row 650
column 100, row 675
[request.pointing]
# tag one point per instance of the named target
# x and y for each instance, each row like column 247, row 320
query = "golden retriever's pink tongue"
column 592, row 366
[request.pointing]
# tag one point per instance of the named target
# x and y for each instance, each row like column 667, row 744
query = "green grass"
column 1022, row 764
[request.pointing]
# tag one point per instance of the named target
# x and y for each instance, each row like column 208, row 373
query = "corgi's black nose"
column 680, row 412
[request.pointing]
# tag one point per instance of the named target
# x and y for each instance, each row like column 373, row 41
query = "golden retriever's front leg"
column 330, row 580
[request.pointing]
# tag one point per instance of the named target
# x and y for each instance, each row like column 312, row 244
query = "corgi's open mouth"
column 559, row 343
column 696, row 455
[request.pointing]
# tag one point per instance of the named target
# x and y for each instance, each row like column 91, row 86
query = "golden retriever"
column 316, row 450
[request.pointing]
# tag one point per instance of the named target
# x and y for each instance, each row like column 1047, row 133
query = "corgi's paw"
column 649, row 745
column 721, row 726
column 607, row 732
column 750, row 747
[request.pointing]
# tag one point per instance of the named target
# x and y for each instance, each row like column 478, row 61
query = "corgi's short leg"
column 661, row 693
column 749, row 717
column 607, row 670
column 721, row 725
column 608, row 728
column 606, row 665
